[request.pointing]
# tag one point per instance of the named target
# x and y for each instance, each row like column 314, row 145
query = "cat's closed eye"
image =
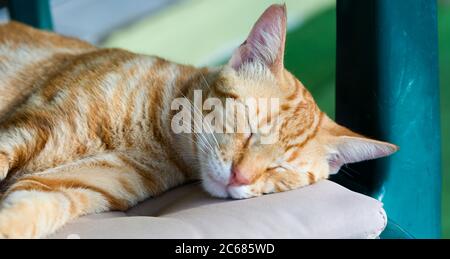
column 87, row 130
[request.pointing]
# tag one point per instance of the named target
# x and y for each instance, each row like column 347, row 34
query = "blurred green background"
column 205, row 32
column 311, row 56
column 314, row 63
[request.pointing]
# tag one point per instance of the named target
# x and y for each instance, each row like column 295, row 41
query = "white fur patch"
column 240, row 192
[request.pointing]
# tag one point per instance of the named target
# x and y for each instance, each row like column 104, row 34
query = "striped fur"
column 86, row 130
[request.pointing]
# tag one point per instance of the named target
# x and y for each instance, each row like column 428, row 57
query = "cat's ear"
column 357, row 149
column 349, row 147
column 266, row 42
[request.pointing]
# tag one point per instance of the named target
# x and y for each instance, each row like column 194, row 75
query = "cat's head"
column 309, row 145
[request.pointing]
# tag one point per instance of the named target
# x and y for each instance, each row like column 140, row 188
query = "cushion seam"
column 377, row 232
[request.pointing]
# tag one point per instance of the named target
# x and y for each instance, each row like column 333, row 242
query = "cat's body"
column 78, row 101
column 85, row 130
column 68, row 107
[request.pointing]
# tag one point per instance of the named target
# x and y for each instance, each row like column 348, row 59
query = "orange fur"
column 85, row 130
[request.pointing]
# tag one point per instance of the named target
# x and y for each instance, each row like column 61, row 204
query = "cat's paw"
column 14, row 226
column 2, row 235
column 3, row 228
column 4, row 166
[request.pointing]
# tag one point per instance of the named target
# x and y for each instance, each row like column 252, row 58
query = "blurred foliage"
column 311, row 56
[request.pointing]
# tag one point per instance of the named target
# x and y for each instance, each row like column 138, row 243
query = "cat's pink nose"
column 238, row 178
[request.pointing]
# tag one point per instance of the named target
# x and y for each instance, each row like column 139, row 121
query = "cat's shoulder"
column 14, row 27
column 15, row 33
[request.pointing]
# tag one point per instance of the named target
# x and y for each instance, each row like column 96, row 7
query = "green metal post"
column 32, row 12
column 387, row 88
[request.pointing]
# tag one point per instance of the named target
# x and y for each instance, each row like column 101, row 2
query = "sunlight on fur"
column 86, row 130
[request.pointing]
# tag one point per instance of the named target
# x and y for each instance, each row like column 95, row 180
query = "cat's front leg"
column 18, row 146
column 4, row 166
column 37, row 205
column 282, row 180
column 32, row 214
column 273, row 181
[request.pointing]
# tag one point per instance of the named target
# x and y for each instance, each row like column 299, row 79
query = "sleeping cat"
column 86, row 130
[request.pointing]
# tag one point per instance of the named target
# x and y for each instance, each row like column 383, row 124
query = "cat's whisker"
column 351, row 169
column 206, row 82
column 199, row 140
column 203, row 148
column 196, row 125
column 93, row 133
column 347, row 173
column 196, row 111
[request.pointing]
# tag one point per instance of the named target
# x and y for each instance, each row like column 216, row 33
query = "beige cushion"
column 324, row 210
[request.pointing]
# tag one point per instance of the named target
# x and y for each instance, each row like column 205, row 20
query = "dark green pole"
column 387, row 88
column 32, row 12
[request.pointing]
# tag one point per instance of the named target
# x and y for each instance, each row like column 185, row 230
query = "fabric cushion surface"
column 323, row 210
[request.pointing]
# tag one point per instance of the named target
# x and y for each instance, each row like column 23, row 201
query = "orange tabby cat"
column 86, row 130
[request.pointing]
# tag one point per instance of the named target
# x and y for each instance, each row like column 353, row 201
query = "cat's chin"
column 215, row 188
column 240, row 192
column 224, row 191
